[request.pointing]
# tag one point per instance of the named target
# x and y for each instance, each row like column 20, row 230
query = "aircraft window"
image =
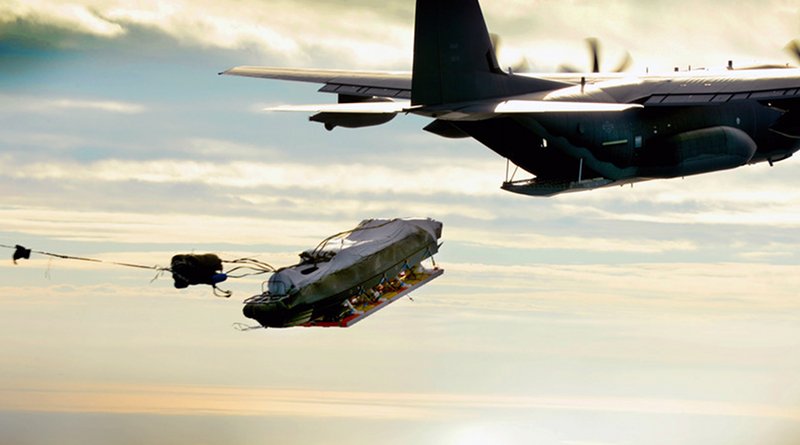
column 766, row 94
column 687, row 98
column 347, row 89
column 740, row 96
column 791, row 92
column 637, row 142
column 703, row 98
column 381, row 92
column 721, row 98
column 655, row 99
column 329, row 88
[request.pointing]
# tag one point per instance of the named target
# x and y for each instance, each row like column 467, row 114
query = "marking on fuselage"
column 618, row 142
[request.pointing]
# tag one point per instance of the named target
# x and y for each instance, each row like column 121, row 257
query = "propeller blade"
column 594, row 48
column 625, row 64
column 794, row 48
column 568, row 69
column 520, row 66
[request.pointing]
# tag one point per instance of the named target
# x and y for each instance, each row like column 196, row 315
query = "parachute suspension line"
column 244, row 328
column 324, row 243
column 221, row 293
column 23, row 253
column 254, row 266
column 407, row 268
column 185, row 269
column 252, row 262
column 430, row 255
column 516, row 167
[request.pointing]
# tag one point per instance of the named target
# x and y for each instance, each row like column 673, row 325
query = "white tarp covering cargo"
column 342, row 266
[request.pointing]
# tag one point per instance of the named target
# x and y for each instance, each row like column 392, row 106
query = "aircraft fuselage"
column 703, row 133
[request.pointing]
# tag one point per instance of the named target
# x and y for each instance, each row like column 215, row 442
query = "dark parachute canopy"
column 191, row 269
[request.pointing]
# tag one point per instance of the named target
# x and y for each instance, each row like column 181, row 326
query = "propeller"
column 793, row 48
column 520, row 65
column 594, row 49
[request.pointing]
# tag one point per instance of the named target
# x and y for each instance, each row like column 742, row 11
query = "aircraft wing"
column 389, row 107
column 389, row 84
column 471, row 111
column 547, row 106
column 694, row 90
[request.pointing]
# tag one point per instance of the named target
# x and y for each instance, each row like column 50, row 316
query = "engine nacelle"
column 332, row 120
column 351, row 120
column 697, row 151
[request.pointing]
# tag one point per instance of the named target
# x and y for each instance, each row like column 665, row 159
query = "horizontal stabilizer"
column 357, row 107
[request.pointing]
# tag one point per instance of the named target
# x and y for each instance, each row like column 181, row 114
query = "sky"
column 664, row 313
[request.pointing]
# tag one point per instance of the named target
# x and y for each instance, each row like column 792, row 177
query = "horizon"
column 660, row 313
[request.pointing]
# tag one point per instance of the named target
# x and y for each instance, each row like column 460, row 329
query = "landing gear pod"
column 699, row 151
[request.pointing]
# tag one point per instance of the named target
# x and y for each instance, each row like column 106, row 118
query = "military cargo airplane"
column 572, row 131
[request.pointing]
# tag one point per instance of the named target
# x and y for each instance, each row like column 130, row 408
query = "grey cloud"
column 659, row 34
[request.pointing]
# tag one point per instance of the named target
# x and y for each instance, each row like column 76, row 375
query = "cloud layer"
column 549, row 33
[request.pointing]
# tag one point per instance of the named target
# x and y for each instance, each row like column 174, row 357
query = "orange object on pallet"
column 361, row 312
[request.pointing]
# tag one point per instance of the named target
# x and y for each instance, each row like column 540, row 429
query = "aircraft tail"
column 454, row 60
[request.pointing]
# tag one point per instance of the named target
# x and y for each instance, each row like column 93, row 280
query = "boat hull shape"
column 319, row 289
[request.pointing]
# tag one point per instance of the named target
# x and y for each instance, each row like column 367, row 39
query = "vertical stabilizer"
column 454, row 60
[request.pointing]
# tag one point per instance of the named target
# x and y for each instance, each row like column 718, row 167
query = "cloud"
column 358, row 34
column 530, row 240
column 255, row 401
column 210, row 148
column 73, row 15
column 677, row 287
column 169, row 228
column 30, row 104
column 274, row 29
column 551, row 32
column 458, row 177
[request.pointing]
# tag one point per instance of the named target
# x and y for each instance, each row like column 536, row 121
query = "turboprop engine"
column 332, row 120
